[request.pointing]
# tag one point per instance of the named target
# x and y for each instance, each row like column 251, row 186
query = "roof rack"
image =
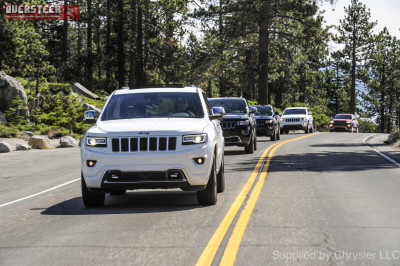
column 156, row 86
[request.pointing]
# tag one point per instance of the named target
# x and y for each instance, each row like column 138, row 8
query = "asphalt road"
column 327, row 199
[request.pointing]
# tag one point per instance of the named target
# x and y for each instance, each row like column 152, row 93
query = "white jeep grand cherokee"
column 154, row 138
column 296, row 118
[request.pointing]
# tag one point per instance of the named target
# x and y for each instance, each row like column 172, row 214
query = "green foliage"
column 14, row 114
column 7, row 131
column 367, row 126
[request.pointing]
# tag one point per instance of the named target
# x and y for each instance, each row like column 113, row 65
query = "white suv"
column 151, row 138
column 296, row 118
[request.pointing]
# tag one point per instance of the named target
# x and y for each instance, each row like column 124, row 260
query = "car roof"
column 343, row 114
column 297, row 108
column 260, row 105
column 161, row 89
column 228, row 98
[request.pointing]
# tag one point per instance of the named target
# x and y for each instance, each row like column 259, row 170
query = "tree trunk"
column 132, row 45
column 139, row 47
column 263, row 57
column 65, row 48
column 108, row 47
column 353, row 73
column 89, row 59
column 120, row 38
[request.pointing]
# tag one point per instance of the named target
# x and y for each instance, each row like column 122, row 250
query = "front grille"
column 143, row 144
column 292, row 120
column 260, row 122
column 339, row 122
column 228, row 124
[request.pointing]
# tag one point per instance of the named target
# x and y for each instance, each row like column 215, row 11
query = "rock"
column 40, row 142
column 11, row 88
column 2, row 118
column 28, row 133
column 5, row 147
column 22, row 147
column 392, row 138
column 68, row 141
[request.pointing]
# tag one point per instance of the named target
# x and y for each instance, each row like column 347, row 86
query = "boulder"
column 392, row 138
column 68, row 141
column 40, row 142
column 28, row 133
column 11, row 88
column 5, row 147
column 22, row 147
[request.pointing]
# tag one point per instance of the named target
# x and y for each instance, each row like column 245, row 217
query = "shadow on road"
column 131, row 202
column 330, row 161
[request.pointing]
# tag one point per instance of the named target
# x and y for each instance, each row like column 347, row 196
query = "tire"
column 286, row 132
column 255, row 142
column 209, row 195
column 221, row 177
column 89, row 198
column 250, row 148
column 273, row 137
column 278, row 137
column 118, row 192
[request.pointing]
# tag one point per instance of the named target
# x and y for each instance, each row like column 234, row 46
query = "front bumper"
column 265, row 130
column 294, row 126
column 340, row 128
column 144, row 169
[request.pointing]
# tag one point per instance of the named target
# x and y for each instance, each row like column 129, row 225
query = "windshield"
column 264, row 110
column 343, row 117
column 295, row 112
column 230, row 106
column 154, row 104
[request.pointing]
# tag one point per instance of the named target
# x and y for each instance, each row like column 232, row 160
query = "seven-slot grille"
column 340, row 122
column 260, row 122
column 228, row 124
column 292, row 120
column 142, row 144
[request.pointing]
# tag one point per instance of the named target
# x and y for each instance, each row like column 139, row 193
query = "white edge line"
column 380, row 153
column 42, row 192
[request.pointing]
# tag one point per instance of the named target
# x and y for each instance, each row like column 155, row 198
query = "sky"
column 385, row 12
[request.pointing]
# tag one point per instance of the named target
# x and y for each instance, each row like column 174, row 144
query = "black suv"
column 239, row 124
column 268, row 122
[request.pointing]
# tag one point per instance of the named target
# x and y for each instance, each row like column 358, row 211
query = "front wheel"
column 89, row 198
column 250, row 148
column 209, row 195
column 273, row 136
column 221, row 177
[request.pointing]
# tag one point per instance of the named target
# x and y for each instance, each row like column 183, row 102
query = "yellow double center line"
column 231, row 249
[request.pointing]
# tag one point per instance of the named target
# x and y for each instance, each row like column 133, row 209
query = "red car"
column 344, row 122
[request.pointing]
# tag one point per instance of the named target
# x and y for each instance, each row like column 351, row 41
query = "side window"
column 207, row 103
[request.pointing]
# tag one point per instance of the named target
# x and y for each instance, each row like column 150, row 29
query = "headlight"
column 269, row 121
column 283, row 119
column 302, row 119
column 96, row 142
column 194, row 139
column 243, row 123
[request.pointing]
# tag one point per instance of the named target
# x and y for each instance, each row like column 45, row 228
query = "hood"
column 303, row 115
column 264, row 117
column 341, row 119
column 149, row 126
column 238, row 116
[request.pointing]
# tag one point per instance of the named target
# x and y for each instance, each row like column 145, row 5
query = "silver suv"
column 297, row 118
column 154, row 138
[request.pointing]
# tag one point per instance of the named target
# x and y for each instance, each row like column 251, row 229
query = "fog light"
column 91, row 163
column 199, row 160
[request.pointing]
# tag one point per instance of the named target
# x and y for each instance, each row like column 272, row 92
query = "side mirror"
column 253, row 110
column 89, row 116
column 310, row 113
column 218, row 113
column 277, row 113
